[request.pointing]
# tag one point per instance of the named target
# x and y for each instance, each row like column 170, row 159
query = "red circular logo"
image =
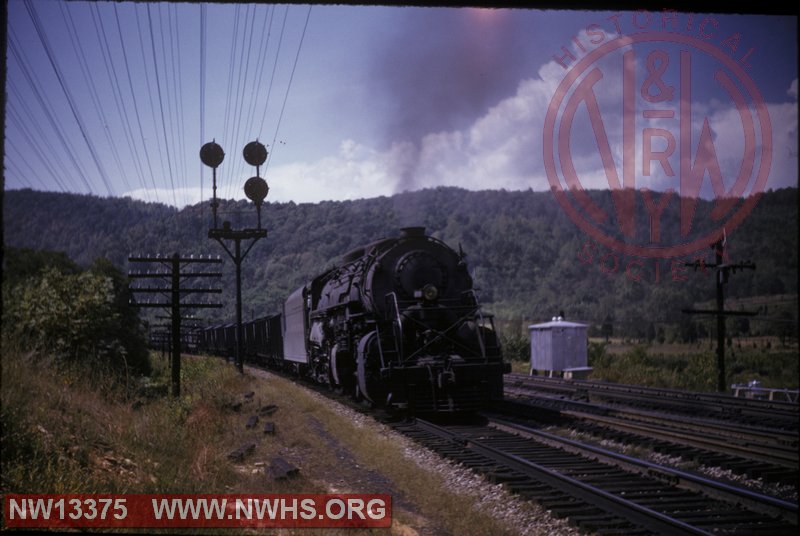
column 656, row 131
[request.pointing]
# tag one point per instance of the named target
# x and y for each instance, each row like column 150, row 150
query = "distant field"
column 692, row 366
column 767, row 345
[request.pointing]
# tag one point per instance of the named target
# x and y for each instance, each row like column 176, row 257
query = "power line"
column 242, row 87
column 237, row 103
column 172, row 95
column 161, row 104
column 150, row 99
column 23, row 126
column 274, row 67
column 135, row 105
column 113, row 79
column 262, row 59
column 70, row 100
column 202, row 92
column 20, row 174
column 231, row 62
column 33, row 82
column 289, row 86
column 98, row 105
column 179, row 96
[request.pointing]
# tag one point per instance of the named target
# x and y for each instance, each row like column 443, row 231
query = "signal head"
column 211, row 154
column 255, row 153
column 256, row 189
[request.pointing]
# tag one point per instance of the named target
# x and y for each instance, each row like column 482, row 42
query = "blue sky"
column 381, row 100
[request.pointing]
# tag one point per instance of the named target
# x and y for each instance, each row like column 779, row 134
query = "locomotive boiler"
column 398, row 323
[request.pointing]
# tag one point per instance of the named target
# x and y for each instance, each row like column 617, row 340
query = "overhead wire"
column 24, row 124
column 44, row 157
column 57, row 128
column 89, row 80
column 229, row 91
column 242, row 86
column 202, row 93
column 274, row 68
column 114, row 82
column 170, row 124
column 229, row 189
column 288, row 87
column 262, row 58
column 176, row 126
column 70, row 100
column 135, row 106
column 20, row 175
column 161, row 104
column 142, row 47
column 243, row 100
column 179, row 97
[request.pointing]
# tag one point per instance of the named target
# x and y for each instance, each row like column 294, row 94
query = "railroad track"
column 765, row 455
column 598, row 490
column 711, row 406
column 602, row 491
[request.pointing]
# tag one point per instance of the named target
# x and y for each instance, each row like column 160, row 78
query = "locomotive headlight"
column 430, row 292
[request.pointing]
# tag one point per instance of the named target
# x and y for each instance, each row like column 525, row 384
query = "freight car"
column 397, row 323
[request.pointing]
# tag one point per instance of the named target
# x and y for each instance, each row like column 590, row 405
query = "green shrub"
column 81, row 317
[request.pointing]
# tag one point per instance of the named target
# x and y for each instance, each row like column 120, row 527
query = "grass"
column 61, row 436
column 688, row 366
column 694, row 367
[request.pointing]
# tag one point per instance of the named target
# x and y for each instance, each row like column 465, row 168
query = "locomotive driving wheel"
column 368, row 363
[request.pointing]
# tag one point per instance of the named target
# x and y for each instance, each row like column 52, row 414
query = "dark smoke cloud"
column 444, row 68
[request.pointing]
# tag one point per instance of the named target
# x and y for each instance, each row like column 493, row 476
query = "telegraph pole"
column 167, row 284
column 723, row 272
column 256, row 190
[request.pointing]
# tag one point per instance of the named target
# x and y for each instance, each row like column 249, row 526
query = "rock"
column 239, row 454
column 281, row 469
column 269, row 409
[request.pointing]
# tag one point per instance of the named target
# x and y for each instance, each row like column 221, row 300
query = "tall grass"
column 60, row 435
column 694, row 370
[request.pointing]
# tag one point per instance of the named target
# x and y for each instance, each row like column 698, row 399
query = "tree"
column 76, row 318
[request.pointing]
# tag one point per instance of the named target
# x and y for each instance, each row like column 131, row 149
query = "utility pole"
column 723, row 272
column 167, row 284
column 256, row 190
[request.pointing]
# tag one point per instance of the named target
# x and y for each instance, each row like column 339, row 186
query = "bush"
column 81, row 317
column 515, row 348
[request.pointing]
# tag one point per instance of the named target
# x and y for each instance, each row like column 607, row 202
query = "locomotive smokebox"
column 408, row 232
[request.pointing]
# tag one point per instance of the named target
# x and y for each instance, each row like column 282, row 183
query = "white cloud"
column 179, row 197
column 503, row 149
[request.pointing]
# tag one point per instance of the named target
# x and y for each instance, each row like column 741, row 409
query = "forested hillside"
column 528, row 259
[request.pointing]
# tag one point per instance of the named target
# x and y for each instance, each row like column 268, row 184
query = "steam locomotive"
column 397, row 323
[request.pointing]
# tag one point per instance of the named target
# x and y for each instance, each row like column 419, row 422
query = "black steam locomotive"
column 398, row 323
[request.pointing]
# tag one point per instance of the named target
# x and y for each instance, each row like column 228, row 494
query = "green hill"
column 527, row 257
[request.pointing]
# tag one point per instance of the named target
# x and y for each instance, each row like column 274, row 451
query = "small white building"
column 559, row 348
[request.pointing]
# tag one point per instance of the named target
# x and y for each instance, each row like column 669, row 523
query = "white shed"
column 559, row 348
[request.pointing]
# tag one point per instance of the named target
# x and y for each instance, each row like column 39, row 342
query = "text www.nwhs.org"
column 239, row 510
column 279, row 508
